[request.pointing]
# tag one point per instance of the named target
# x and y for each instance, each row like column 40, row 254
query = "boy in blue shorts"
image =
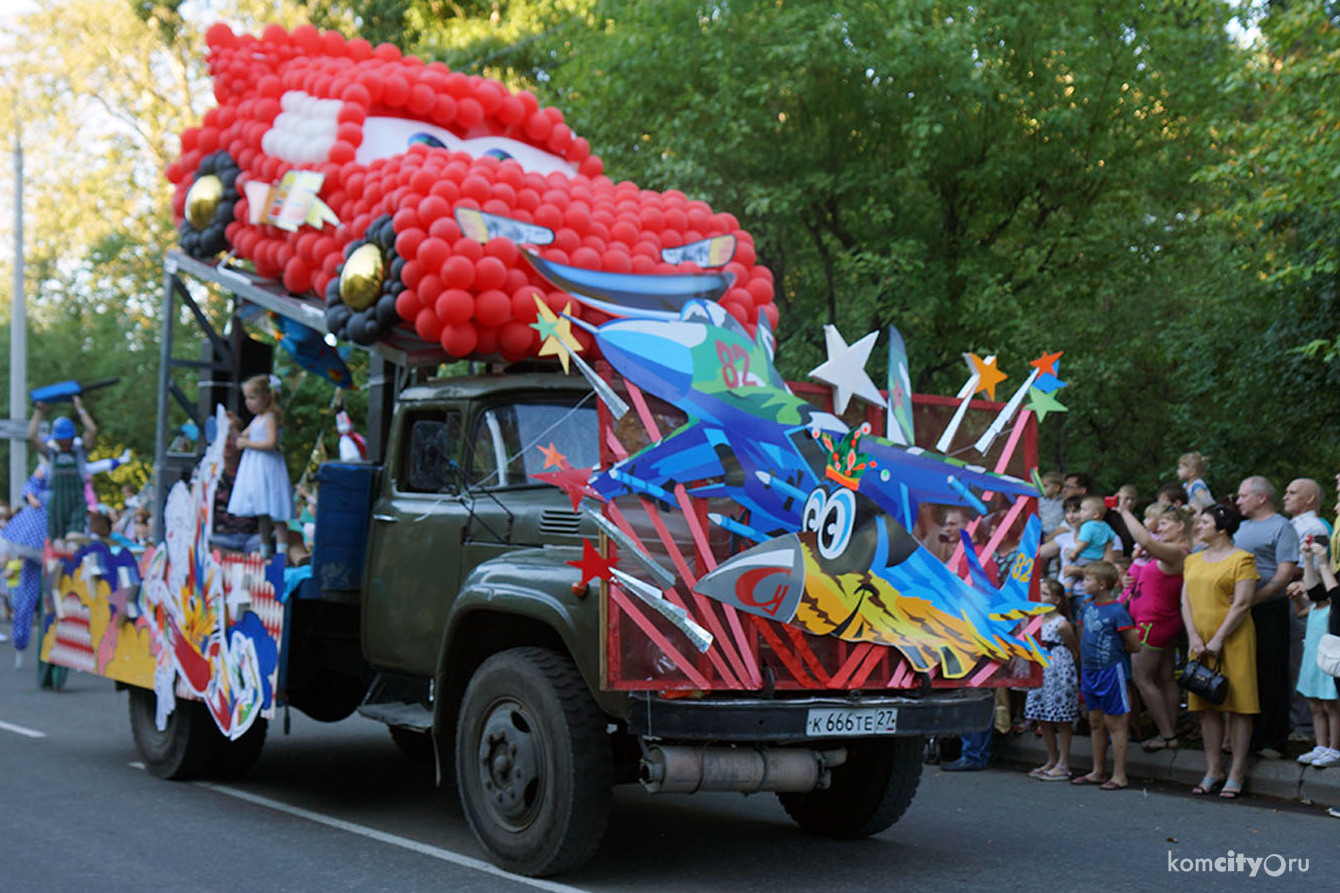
column 1109, row 632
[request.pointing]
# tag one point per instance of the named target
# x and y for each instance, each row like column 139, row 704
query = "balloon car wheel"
column 509, row 760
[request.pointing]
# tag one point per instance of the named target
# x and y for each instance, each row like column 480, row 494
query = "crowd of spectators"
column 1231, row 582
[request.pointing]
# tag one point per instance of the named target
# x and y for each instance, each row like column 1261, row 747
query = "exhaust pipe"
column 674, row 769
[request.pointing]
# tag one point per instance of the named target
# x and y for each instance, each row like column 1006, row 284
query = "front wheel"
column 533, row 762
column 868, row 793
column 185, row 748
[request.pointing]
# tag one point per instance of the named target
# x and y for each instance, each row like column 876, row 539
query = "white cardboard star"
column 845, row 369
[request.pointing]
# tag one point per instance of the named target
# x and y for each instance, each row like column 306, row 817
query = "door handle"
column 389, row 519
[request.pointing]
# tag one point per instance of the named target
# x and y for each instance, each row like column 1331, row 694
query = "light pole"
column 18, row 335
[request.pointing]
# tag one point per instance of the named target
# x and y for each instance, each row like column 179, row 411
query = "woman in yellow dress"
column 1218, row 586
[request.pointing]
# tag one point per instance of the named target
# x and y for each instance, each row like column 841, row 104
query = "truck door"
column 414, row 542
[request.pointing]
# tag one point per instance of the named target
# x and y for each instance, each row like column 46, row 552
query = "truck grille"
column 556, row 522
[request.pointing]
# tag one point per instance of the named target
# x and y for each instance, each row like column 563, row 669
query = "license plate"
column 848, row 722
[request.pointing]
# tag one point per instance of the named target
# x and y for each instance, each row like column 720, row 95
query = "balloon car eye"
column 835, row 524
column 814, row 510
column 428, row 140
column 500, row 154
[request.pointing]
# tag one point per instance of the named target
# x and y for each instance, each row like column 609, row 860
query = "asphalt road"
column 337, row 807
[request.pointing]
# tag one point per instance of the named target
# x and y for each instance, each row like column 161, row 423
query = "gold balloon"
column 202, row 201
column 361, row 279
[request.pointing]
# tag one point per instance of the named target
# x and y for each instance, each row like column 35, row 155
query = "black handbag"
column 1205, row 681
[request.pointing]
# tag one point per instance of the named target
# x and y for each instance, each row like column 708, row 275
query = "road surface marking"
column 22, row 730
column 393, row 839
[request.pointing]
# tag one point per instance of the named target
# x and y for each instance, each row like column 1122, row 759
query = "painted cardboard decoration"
column 823, row 511
column 181, row 619
column 337, row 167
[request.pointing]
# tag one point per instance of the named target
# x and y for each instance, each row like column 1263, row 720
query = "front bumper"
column 784, row 719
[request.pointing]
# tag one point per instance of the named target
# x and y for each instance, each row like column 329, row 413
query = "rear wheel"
column 533, row 762
column 868, row 793
column 185, row 748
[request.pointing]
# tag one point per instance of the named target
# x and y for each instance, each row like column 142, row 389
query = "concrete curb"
column 1285, row 779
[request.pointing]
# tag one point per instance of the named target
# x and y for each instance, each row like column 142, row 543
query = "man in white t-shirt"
column 1302, row 500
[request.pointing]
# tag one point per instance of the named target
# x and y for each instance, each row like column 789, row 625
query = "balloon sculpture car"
column 344, row 169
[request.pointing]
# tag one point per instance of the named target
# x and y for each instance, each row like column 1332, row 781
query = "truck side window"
column 505, row 449
column 428, row 459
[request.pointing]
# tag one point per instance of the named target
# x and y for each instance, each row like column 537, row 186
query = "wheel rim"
column 508, row 760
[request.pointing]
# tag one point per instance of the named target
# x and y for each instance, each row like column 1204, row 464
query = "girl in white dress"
column 262, row 489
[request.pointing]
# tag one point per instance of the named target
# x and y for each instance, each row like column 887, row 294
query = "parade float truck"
column 624, row 551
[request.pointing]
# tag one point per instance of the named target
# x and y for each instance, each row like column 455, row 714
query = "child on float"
column 66, row 457
column 1055, row 704
column 1317, row 686
column 262, row 489
column 1108, row 634
column 1191, row 472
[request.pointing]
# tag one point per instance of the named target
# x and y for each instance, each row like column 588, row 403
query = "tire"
column 185, row 749
column 418, row 746
column 534, row 765
column 868, row 793
column 234, row 759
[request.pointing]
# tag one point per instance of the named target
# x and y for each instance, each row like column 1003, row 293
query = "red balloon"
column 760, row 290
column 444, row 109
column 446, row 190
column 407, row 242
column 516, row 279
column 396, row 90
column 433, row 253
column 770, row 311
column 578, row 217
column 421, row 99
column 616, row 261
column 469, row 113
column 489, row 95
column 422, row 182
column 560, row 138
column 587, row 258
column 497, row 206
column 538, row 127
column 488, row 340
column 643, row 264
column 625, row 231
column 427, row 326
column 459, row 340
column 517, row 339
column 651, row 218
column 523, row 303
column 504, row 250
column 412, row 273
column 343, row 153
column 568, row 240
column 468, row 248
column 404, row 219
column 477, row 188
column 737, row 309
column 455, row 306
column 490, row 272
column 297, row 276
column 432, row 208
column 429, row 288
column 408, row 305
column 457, row 272
column 446, row 229
column 493, row 307
column 744, row 252
column 386, row 52
column 511, row 110
column 548, row 216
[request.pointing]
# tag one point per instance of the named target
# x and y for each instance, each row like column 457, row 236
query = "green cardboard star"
column 1042, row 403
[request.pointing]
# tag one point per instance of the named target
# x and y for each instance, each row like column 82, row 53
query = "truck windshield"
column 509, row 442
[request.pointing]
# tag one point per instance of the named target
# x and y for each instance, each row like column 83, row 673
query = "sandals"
column 1111, row 785
column 1208, row 785
column 1086, row 780
column 1161, row 742
column 1041, row 770
column 1055, row 774
column 1232, row 790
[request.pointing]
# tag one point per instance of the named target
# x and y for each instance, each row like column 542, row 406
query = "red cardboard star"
column 572, row 481
column 1046, row 364
column 552, row 457
column 592, row 565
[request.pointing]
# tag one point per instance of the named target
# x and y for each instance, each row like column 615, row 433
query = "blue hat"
column 62, row 429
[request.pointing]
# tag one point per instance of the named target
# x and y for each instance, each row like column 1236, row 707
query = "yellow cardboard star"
column 988, row 376
column 556, row 332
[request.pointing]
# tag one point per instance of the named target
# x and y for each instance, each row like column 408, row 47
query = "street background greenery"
column 1145, row 186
